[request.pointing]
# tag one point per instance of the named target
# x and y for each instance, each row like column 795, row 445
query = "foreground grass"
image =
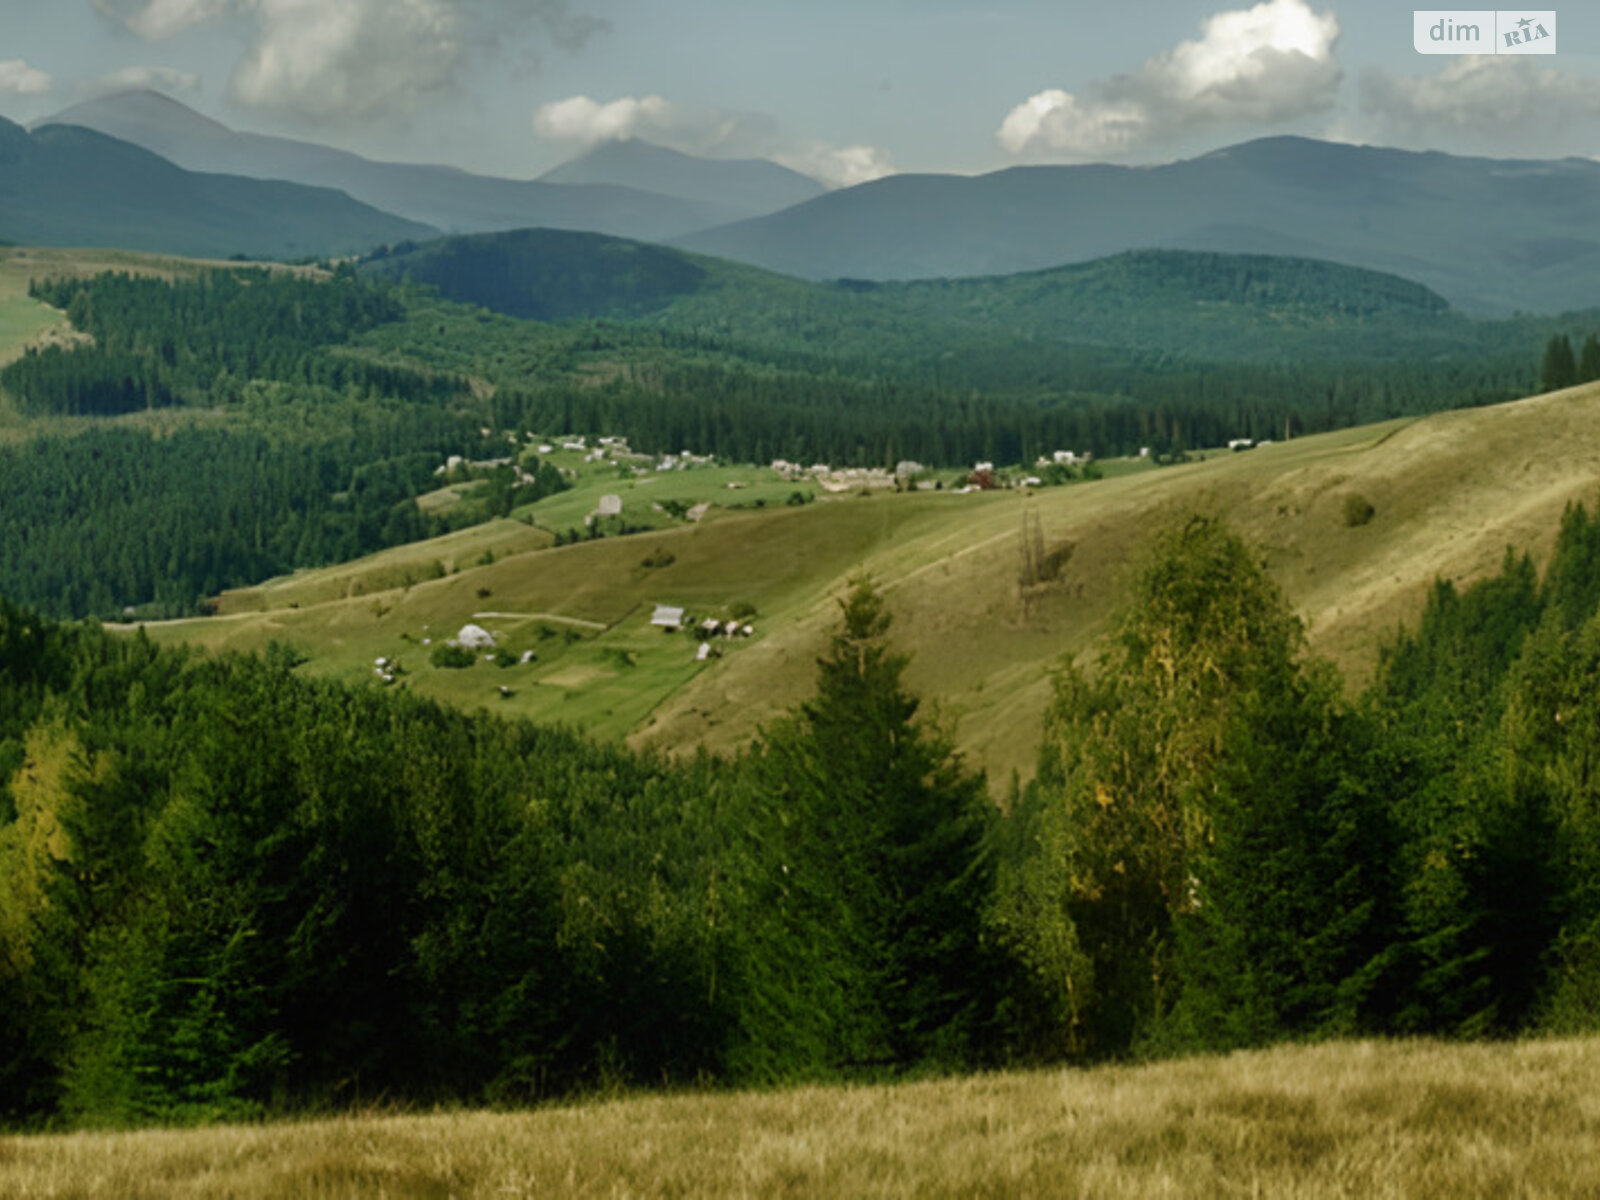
column 1354, row 1119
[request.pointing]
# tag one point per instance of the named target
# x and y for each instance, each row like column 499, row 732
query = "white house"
column 667, row 617
column 475, row 637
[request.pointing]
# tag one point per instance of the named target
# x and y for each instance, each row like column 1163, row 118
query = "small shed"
column 667, row 617
column 610, row 506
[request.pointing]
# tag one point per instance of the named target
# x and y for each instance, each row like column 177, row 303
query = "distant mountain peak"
column 136, row 109
column 756, row 185
column 700, row 193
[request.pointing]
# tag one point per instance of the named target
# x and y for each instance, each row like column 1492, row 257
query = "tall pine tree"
column 1589, row 360
column 882, row 858
column 1560, row 368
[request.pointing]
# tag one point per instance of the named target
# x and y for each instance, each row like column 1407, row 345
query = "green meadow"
column 1449, row 492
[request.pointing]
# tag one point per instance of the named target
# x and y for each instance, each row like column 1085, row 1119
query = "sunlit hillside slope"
column 1448, row 492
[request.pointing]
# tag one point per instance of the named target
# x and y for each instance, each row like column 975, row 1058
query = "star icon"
column 1525, row 22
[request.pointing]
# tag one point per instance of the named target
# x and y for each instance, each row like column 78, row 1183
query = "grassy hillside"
column 21, row 319
column 1371, row 1119
column 1449, row 491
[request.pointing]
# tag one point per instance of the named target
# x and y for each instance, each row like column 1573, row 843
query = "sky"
column 845, row 90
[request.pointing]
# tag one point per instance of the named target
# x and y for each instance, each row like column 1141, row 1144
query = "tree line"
column 226, row 890
column 311, row 454
column 160, row 342
column 117, row 519
column 1561, row 368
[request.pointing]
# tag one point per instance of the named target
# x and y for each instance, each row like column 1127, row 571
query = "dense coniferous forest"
column 1171, row 350
column 114, row 519
column 317, row 457
column 158, row 342
column 324, row 396
column 226, row 890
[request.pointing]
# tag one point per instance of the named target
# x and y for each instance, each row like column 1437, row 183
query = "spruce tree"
column 883, row 854
column 1589, row 360
column 1560, row 369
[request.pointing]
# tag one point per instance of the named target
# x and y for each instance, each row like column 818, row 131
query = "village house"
column 475, row 637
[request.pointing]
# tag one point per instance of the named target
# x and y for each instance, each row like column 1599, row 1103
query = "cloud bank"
column 584, row 121
column 165, row 79
column 710, row 132
column 1480, row 97
column 1273, row 62
column 355, row 61
column 836, row 166
column 17, row 78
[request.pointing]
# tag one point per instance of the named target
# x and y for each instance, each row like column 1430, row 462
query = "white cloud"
column 155, row 20
column 164, row 79
column 837, row 166
column 18, row 78
column 1273, row 62
column 1483, row 96
column 321, row 61
column 586, row 121
column 710, row 132
column 357, row 59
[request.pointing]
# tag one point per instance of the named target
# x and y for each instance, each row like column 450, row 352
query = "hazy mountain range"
column 630, row 190
column 1490, row 235
column 753, row 186
column 66, row 186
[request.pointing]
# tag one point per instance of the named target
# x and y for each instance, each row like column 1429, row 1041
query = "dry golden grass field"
column 1359, row 1120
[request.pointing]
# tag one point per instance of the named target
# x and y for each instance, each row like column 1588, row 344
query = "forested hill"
column 554, row 274
column 1236, row 307
column 1200, row 306
column 306, row 454
column 66, row 186
column 353, row 390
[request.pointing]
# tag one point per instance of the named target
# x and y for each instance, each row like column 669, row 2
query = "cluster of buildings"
column 670, row 618
column 1064, row 458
